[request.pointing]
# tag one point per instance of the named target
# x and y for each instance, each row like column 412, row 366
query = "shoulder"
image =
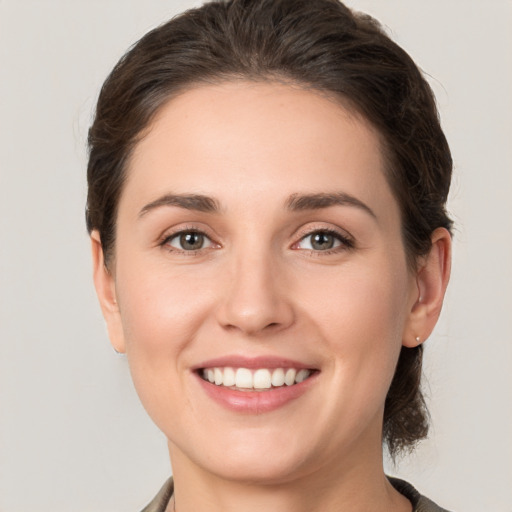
column 419, row 502
column 161, row 500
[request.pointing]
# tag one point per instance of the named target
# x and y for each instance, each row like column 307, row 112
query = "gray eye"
column 320, row 241
column 189, row 241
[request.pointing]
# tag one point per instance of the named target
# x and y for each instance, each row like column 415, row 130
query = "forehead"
column 266, row 140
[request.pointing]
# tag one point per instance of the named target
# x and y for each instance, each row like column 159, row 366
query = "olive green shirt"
column 419, row 502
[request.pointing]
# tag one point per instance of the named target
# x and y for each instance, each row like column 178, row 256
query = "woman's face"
column 257, row 241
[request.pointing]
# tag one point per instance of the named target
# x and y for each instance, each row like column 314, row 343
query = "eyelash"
column 167, row 239
column 346, row 243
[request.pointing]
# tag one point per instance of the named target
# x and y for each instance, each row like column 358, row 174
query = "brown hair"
column 319, row 44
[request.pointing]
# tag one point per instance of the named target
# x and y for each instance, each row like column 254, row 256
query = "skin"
column 257, row 288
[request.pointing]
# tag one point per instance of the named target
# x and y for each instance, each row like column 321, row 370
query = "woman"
column 267, row 190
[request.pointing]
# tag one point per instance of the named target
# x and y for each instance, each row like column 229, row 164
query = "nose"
column 255, row 297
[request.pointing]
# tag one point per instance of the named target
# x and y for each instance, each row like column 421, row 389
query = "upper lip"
column 235, row 361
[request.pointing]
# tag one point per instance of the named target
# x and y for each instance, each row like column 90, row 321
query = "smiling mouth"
column 261, row 379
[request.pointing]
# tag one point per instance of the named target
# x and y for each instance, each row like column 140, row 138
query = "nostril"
column 252, row 310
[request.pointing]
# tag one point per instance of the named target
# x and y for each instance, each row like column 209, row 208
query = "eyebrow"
column 295, row 202
column 195, row 202
column 301, row 202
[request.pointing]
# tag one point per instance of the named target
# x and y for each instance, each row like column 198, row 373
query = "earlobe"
column 432, row 279
column 106, row 291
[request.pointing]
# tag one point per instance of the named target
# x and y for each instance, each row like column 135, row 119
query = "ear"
column 432, row 279
column 104, row 283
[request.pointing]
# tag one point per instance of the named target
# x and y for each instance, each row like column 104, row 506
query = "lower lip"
column 256, row 402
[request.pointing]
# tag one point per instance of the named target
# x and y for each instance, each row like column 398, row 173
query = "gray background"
column 72, row 433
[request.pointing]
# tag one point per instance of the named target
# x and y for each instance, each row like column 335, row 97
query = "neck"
column 337, row 487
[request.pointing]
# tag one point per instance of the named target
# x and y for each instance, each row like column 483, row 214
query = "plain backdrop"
column 73, row 436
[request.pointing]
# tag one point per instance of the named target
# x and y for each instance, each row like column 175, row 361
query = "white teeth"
column 301, row 375
column 289, row 378
column 261, row 378
column 243, row 378
column 278, row 377
column 229, row 377
column 219, row 377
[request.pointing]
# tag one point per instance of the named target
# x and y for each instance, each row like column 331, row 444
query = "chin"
column 251, row 458
column 262, row 469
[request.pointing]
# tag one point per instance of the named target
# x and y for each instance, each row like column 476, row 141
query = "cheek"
column 361, row 314
column 160, row 315
column 359, row 300
column 361, row 320
column 157, row 306
column 161, row 312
